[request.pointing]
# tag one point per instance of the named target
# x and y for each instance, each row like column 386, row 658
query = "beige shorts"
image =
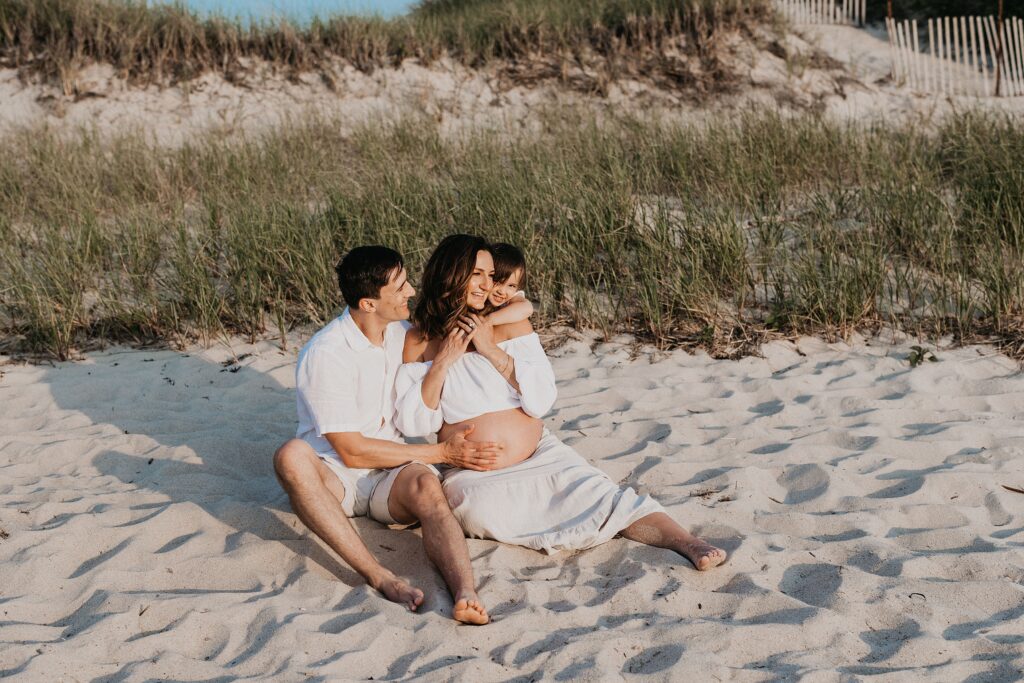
column 367, row 491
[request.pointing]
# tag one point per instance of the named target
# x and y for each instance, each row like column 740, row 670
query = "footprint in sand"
column 803, row 483
column 653, row 659
column 886, row 642
column 813, row 584
column 997, row 514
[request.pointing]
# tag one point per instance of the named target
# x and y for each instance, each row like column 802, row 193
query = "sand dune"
column 841, row 71
column 861, row 501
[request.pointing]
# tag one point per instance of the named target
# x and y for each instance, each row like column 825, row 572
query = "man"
column 348, row 459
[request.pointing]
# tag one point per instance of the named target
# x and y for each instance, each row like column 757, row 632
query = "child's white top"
column 473, row 387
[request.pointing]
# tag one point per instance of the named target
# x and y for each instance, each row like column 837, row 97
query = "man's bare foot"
column 469, row 610
column 703, row 555
column 397, row 590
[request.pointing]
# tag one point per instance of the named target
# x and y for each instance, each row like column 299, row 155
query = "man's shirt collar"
column 353, row 335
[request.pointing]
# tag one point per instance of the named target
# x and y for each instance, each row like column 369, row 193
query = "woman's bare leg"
column 661, row 531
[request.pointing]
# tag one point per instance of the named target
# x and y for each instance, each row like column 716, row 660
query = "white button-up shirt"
column 344, row 383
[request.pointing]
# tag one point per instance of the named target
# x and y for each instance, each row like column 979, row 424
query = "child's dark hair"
column 507, row 260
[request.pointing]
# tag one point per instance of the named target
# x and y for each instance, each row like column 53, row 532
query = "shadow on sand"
column 217, row 457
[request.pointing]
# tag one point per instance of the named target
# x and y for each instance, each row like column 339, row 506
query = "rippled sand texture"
column 862, row 502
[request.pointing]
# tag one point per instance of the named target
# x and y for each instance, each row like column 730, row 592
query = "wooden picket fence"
column 823, row 11
column 962, row 55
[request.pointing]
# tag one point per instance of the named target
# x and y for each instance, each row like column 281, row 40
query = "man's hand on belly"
column 471, row 455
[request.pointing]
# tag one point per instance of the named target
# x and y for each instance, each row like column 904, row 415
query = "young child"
column 507, row 299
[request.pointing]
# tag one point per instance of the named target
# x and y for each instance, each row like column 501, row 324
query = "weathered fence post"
column 999, row 48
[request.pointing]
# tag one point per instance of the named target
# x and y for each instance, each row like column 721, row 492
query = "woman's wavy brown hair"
column 442, row 296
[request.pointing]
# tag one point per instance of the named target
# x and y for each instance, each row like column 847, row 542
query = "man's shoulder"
column 329, row 340
column 399, row 328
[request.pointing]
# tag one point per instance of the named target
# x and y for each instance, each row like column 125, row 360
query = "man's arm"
column 362, row 452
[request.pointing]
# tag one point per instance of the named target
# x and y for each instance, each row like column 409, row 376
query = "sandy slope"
column 837, row 70
column 861, row 500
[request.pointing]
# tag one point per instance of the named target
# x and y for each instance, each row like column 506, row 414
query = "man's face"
column 393, row 303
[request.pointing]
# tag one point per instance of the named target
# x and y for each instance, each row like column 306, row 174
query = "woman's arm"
column 529, row 371
column 486, row 346
column 534, row 375
column 450, row 350
column 412, row 416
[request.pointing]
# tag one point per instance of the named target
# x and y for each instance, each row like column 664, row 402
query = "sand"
column 862, row 502
column 839, row 71
column 143, row 535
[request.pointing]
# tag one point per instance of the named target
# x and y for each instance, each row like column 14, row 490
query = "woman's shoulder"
column 415, row 346
column 520, row 328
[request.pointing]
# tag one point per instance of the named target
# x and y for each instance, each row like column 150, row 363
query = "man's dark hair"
column 364, row 270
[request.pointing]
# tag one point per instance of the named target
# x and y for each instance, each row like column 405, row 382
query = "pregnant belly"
column 514, row 428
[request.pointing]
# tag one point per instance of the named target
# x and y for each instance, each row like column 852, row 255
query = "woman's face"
column 481, row 281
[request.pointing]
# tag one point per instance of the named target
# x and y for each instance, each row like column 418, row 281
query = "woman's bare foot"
column 397, row 590
column 661, row 531
column 469, row 610
column 703, row 555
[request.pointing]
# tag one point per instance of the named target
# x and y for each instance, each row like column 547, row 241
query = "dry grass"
column 532, row 38
column 719, row 236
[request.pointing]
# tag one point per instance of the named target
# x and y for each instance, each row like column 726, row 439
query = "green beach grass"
column 716, row 235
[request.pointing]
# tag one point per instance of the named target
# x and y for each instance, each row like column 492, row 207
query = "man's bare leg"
column 417, row 496
column 661, row 531
column 316, row 494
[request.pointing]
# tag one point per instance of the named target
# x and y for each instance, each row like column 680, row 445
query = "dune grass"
column 716, row 235
column 159, row 43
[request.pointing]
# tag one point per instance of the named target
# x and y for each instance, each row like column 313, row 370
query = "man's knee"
column 292, row 461
column 424, row 491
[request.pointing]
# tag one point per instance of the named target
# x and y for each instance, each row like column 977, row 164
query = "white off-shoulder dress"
column 554, row 500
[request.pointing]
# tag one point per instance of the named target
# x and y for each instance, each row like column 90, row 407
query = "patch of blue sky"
column 298, row 11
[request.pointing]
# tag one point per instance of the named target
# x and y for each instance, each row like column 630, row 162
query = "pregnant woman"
column 461, row 372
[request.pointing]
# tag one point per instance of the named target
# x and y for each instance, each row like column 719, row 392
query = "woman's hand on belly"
column 517, row 431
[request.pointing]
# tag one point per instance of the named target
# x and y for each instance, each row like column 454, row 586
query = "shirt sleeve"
column 536, row 379
column 412, row 416
column 325, row 382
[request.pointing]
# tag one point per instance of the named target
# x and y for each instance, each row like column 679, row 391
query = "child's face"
column 503, row 291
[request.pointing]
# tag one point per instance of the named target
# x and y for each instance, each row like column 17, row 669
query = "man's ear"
column 368, row 305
